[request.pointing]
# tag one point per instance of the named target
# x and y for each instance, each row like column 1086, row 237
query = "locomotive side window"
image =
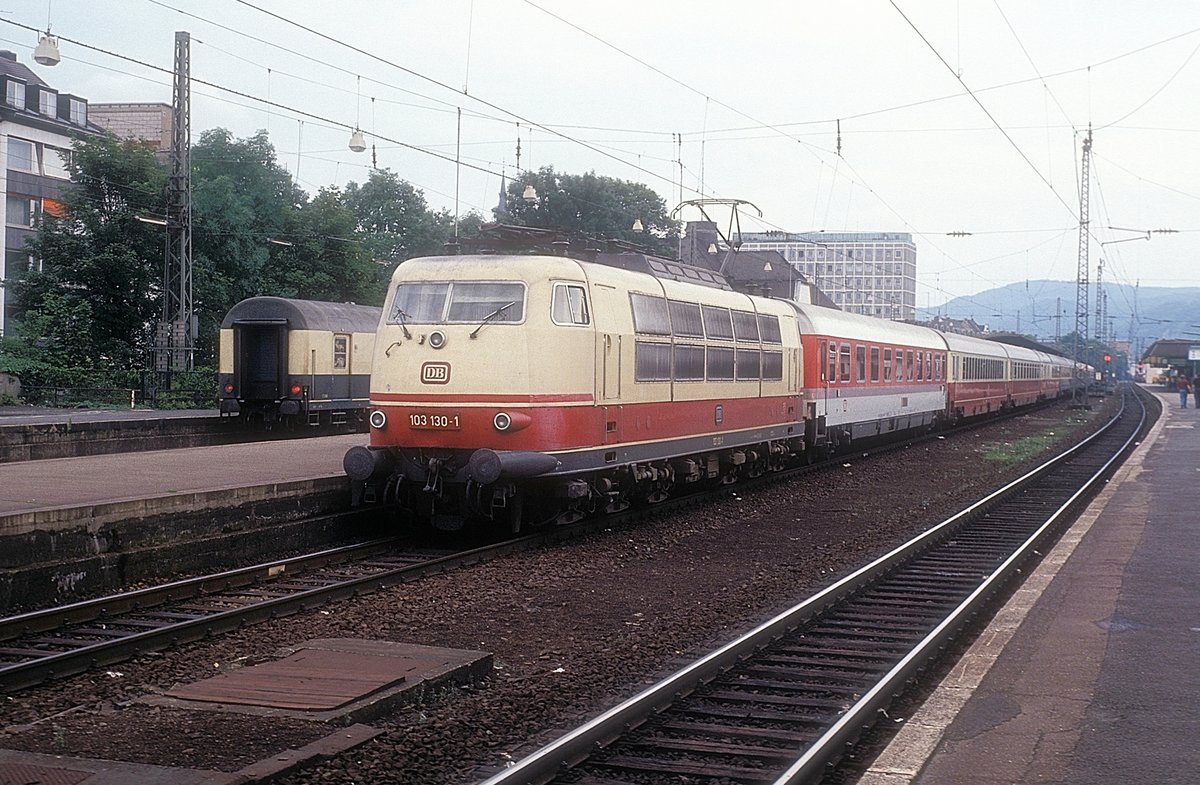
column 458, row 301
column 720, row 364
column 768, row 328
column 650, row 315
column 717, row 323
column 749, row 364
column 845, row 362
column 874, row 363
column 689, row 363
column 685, row 319
column 745, row 326
column 569, row 305
column 772, row 366
column 652, row 362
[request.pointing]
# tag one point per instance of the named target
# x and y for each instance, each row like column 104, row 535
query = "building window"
column 14, row 94
column 55, row 163
column 21, row 155
column 78, row 112
column 22, row 211
column 47, row 103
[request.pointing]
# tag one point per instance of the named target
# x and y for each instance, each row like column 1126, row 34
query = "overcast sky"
column 755, row 88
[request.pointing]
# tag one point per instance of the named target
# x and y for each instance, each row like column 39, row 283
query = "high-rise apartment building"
column 37, row 126
column 872, row 273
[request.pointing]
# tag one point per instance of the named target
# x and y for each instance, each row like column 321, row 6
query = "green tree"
column 95, row 298
column 594, row 204
column 394, row 221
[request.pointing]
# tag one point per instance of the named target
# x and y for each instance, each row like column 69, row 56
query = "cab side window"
column 569, row 305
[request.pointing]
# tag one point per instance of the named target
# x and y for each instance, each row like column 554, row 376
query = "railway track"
column 63, row 641
column 782, row 703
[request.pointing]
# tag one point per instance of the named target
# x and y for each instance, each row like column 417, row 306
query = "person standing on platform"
column 1181, row 383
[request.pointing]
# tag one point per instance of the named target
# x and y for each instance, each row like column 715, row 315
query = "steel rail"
column 544, row 764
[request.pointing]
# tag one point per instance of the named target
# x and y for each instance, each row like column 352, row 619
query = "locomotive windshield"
column 457, row 301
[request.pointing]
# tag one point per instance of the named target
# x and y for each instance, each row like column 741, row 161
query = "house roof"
column 10, row 66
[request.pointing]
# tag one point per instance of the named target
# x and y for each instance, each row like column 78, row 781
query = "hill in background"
column 1030, row 308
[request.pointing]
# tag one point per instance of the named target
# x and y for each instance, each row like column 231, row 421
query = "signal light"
column 296, row 389
column 229, row 389
column 1108, row 358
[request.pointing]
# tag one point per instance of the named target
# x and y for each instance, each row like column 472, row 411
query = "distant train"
column 519, row 389
column 296, row 361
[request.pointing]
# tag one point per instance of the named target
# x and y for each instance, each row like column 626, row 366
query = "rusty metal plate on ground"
column 309, row 680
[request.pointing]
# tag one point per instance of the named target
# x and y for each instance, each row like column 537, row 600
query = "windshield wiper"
column 491, row 316
column 403, row 316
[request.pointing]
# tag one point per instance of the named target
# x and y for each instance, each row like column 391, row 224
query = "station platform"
column 103, row 488
column 1091, row 672
column 16, row 416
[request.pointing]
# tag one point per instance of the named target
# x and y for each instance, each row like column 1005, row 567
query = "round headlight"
column 502, row 421
column 437, row 339
column 378, row 419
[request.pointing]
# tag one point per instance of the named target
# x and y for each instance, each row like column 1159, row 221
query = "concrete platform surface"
column 100, row 479
column 1091, row 673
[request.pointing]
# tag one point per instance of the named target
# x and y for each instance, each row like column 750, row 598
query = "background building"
column 872, row 273
column 37, row 126
column 150, row 122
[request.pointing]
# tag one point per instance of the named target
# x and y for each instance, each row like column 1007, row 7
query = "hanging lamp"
column 46, row 52
column 529, row 194
column 357, row 143
column 637, row 225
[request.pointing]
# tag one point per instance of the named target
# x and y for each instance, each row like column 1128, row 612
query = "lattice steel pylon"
column 176, row 338
column 1079, row 353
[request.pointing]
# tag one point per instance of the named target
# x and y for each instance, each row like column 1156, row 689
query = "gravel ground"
column 574, row 628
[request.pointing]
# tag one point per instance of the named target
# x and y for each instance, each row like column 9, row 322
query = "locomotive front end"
column 482, row 375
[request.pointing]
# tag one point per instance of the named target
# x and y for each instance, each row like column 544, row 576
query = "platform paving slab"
column 333, row 680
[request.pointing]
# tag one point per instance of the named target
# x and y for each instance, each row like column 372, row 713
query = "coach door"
column 340, row 379
column 261, row 354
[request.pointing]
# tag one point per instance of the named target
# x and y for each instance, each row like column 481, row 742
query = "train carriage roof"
column 305, row 314
column 967, row 344
column 816, row 320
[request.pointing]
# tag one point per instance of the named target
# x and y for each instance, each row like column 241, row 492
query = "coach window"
column 860, row 363
column 720, row 364
column 689, row 363
column 908, row 362
column 685, row 319
column 887, row 364
column 650, row 315
column 569, row 305
column 831, row 362
column 717, row 323
column 745, row 326
column 929, row 366
column 821, row 370
column 874, row 363
column 845, row 362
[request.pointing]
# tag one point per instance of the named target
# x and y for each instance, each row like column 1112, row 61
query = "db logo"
column 435, row 373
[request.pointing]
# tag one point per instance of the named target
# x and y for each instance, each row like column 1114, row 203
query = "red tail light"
column 296, row 389
column 229, row 389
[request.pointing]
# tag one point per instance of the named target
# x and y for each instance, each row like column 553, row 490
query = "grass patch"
column 1031, row 446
